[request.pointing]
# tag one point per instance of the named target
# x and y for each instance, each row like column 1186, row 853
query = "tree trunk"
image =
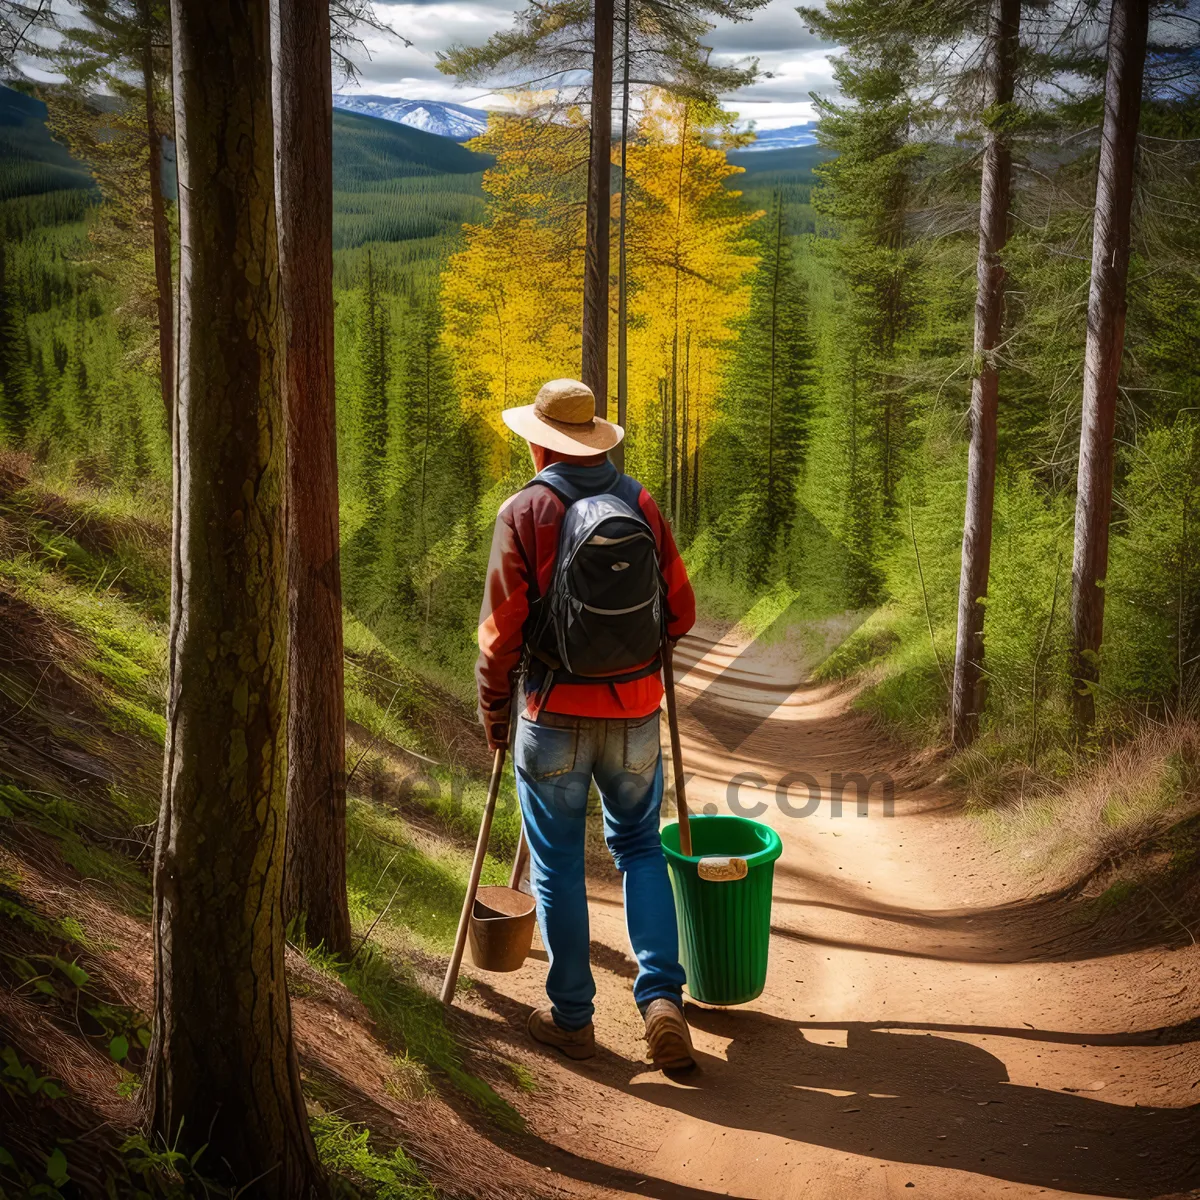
column 315, row 879
column 675, row 427
column 595, row 271
column 158, row 220
column 1127, row 33
column 966, row 693
column 222, row 1070
column 775, row 273
column 682, row 516
column 696, row 452
column 666, row 440
column 618, row 453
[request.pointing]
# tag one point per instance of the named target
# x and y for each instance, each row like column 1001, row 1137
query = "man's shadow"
column 917, row 1098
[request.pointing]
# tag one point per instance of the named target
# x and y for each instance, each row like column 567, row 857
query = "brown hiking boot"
column 574, row 1043
column 668, row 1037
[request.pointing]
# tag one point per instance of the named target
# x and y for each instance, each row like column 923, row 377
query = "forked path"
column 927, row 1028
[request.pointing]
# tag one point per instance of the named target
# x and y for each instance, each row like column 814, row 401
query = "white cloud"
column 776, row 35
column 776, row 26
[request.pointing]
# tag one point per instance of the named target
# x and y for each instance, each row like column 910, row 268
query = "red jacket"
column 524, row 547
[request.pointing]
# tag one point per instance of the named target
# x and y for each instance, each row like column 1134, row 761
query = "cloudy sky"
column 796, row 59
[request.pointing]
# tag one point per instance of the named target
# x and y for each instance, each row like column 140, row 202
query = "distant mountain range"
column 460, row 123
column 784, row 139
column 454, row 121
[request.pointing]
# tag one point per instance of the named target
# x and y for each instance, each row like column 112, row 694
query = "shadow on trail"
column 1183, row 1034
column 897, row 1092
column 1059, row 926
column 920, row 1099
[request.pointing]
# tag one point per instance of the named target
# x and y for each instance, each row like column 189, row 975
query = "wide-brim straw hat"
column 563, row 418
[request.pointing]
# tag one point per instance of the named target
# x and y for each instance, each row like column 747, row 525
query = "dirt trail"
column 927, row 1028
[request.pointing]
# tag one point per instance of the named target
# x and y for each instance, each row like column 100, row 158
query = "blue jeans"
column 555, row 759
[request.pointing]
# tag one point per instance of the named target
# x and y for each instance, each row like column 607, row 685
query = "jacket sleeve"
column 501, row 629
column 681, row 600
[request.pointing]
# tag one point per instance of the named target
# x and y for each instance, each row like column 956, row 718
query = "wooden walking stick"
column 685, row 829
column 464, row 920
column 521, row 861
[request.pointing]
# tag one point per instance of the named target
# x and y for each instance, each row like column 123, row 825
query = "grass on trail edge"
column 83, row 573
column 1064, row 812
column 140, row 1170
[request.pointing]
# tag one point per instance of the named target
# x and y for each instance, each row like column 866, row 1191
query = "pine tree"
column 767, row 402
column 222, row 1068
column 120, row 40
column 315, row 879
column 15, row 382
column 431, row 495
column 867, row 191
column 1128, row 30
column 374, row 380
column 966, row 692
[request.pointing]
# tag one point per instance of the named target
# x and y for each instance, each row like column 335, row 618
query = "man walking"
column 583, row 581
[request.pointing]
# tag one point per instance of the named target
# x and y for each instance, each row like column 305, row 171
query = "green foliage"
column 345, row 1149
column 418, row 209
column 369, row 150
column 762, row 437
column 785, row 175
column 665, row 49
column 523, row 1077
column 52, row 1174
column 409, row 1017
column 1151, row 652
column 66, row 821
column 19, row 1079
column 395, row 184
column 388, row 871
column 128, row 646
column 866, row 191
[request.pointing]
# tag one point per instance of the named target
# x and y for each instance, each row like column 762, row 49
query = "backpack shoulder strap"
column 567, row 497
column 558, row 478
column 629, row 490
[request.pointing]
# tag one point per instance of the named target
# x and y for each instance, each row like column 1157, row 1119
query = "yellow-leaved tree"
column 511, row 297
column 690, row 264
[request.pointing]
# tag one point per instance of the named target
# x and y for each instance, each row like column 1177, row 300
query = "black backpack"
column 603, row 618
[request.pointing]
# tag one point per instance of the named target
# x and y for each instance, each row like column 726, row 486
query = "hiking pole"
column 685, row 829
column 464, row 920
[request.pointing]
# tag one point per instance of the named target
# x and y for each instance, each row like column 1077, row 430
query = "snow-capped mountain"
column 433, row 116
column 784, row 139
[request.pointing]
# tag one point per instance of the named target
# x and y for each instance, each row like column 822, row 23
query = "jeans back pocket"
column 642, row 744
column 544, row 751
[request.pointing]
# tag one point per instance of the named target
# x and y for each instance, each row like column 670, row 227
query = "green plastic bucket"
column 724, row 921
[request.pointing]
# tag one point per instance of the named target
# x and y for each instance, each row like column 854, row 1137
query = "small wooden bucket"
column 501, row 929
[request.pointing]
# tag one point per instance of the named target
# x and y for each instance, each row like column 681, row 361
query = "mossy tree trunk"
column 222, row 1069
column 315, row 879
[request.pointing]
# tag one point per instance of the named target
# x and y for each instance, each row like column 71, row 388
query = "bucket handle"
column 722, row 868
